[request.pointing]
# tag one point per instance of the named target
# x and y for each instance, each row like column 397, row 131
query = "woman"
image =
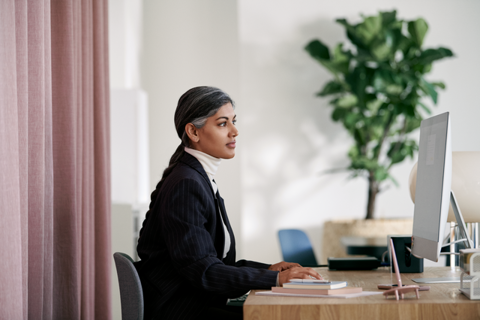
column 186, row 245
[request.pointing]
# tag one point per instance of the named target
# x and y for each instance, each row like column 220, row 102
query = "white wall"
column 125, row 42
column 290, row 137
column 129, row 147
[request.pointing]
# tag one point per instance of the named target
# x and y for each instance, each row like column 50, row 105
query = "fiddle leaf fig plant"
column 378, row 90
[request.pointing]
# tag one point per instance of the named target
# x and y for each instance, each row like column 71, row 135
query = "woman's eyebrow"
column 226, row 118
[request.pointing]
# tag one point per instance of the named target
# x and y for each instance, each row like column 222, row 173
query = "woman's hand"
column 282, row 266
column 297, row 273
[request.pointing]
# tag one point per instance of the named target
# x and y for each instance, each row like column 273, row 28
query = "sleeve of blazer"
column 252, row 264
column 184, row 218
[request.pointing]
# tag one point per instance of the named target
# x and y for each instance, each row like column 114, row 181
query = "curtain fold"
column 55, row 160
column 12, row 276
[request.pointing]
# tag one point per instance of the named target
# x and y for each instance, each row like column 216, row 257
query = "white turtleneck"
column 210, row 165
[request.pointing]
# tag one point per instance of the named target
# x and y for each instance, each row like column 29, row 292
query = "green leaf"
column 369, row 28
column 344, row 23
column 381, row 50
column 429, row 89
column 404, row 108
column 318, row 50
column 374, row 105
column 332, row 87
column 424, row 107
column 404, row 44
column 417, row 30
column 413, row 147
column 363, row 163
column 338, row 114
column 413, row 124
column 397, row 152
column 353, row 153
column 381, row 173
column 382, row 79
column 392, row 39
column 332, row 67
column 440, row 85
column 430, row 55
column 358, row 80
column 350, row 121
column 409, row 110
column 388, row 17
column 395, row 182
column 352, row 34
column 394, row 89
column 340, row 59
column 400, row 150
column 427, row 68
column 339, row 55
column 347, row 101
column 358, row 135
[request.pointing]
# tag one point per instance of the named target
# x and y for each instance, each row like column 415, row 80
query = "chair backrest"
column 131, row 294
column 296, row 247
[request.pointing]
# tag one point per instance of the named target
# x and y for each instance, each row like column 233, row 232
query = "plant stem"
column 372, row 194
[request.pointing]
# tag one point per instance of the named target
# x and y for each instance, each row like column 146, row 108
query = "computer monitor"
column 432, row 193
column 433, row 189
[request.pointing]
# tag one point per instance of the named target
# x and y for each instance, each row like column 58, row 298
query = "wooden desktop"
column 443, row 301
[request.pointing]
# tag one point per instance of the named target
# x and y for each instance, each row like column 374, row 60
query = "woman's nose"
column 234, row 131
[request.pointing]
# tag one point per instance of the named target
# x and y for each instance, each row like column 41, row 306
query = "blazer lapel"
column 191, row 161
column 219, row 240
column 230, row 258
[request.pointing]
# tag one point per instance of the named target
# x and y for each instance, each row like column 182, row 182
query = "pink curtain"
column 54, row 160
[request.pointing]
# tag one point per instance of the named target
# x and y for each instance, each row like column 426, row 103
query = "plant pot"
column 334, row 230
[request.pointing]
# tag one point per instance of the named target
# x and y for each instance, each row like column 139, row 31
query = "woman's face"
column 217, row 136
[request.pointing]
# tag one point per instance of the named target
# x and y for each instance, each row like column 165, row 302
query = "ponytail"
column 173, row 162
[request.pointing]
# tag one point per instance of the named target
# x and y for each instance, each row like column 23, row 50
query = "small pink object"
column 400, row 289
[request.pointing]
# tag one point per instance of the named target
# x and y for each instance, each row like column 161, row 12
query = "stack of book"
column 316, row 287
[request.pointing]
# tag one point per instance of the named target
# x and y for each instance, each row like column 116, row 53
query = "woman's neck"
column 209, row 163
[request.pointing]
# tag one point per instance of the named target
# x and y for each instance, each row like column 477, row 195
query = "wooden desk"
column 443, row 301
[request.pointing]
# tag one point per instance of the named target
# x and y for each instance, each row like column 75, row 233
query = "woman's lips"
column 232, row 144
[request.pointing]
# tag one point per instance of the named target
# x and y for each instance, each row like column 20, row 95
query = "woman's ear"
column 192, row 132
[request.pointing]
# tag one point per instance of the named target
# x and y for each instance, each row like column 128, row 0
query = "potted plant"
column 377, row 93
column 377, row 90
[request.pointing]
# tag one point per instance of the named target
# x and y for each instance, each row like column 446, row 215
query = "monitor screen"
column 432, row 193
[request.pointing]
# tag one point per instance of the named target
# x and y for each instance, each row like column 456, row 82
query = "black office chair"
column 296, row 247
column 131, row 294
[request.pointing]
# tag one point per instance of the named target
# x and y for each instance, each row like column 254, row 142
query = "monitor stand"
column 465, row 238
column 443, row 280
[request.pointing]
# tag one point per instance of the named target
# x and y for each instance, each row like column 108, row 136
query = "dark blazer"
column 181, row 248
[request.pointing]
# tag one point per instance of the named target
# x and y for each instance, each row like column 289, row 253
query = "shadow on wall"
column 290, row 139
